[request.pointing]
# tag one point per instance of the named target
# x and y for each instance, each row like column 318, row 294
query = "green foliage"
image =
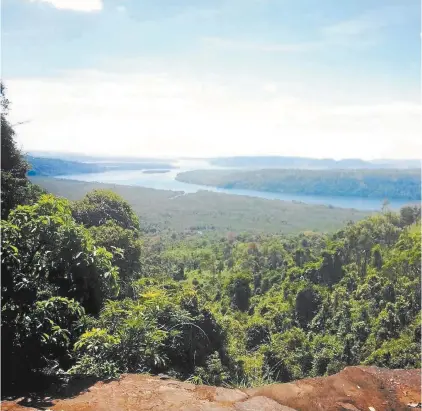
column 237, row 309
column 256, row 335
column 126, row 248
column 409, row 215
column 42, row 244
column 247, row 310
column 15, row 187
column 38, row 337
column 167, row 212
column 57, row 321
column 328, row 351
column 306, row 305
column 100, row 206
column 51, row 268
column 213, row 373
column 239, row 291
column 401, row 352
column 164, row 329
column 288, row 356
column 98, row 351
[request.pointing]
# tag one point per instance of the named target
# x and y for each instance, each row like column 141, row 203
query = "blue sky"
column 322, row 78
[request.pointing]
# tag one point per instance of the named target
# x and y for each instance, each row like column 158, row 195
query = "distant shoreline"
column 376, row 184
column 155, row 171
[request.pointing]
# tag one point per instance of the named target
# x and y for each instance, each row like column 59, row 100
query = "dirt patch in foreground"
column 354, row 388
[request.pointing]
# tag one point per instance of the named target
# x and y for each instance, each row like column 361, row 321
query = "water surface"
column 167, row 181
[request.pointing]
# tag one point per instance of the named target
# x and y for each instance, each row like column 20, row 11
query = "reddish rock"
column 354, row 388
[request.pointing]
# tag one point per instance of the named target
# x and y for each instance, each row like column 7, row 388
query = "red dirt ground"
column 354, row 388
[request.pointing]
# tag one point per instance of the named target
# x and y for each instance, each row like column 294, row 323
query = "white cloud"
column 76, row 5
column 158, row 114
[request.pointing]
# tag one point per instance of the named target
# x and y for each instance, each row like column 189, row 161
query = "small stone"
column 164, row 377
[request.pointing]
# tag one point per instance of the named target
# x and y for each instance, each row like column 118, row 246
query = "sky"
column 312, row 78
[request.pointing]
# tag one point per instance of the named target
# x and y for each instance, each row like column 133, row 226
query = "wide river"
column 167, row 181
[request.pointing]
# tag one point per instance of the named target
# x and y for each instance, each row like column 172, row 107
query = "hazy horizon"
column 216, row 79
column 203, row 157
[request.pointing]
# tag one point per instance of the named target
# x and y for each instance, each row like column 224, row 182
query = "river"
column 167, row 181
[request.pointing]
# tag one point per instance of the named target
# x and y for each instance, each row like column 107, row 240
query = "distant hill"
column 47, row 166
column 410, row 163
column 41, row 166
column 369, row 183
column 309, row 163
column 70, row 156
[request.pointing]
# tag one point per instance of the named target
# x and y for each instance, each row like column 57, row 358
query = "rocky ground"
column 354, row 388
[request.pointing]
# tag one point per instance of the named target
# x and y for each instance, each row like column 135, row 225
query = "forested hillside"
column 40, row 166
column 87, row 292
column 381, row 183
column 46, row 166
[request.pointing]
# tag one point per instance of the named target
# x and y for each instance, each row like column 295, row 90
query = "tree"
column 299, row 257
column 15, row 187
column 239, row 290
column 50, row 268
column 377, row 257
column 11, row 158
column 306, row 305
column 328, row 350
column 409, row 215
column 331, row 270
column 125, row 246
column 100, row 206
column 288, row 356
column 163, row 330
column 256, row 335
column 45, row 251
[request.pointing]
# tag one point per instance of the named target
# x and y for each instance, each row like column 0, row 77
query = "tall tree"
column 15, row 187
